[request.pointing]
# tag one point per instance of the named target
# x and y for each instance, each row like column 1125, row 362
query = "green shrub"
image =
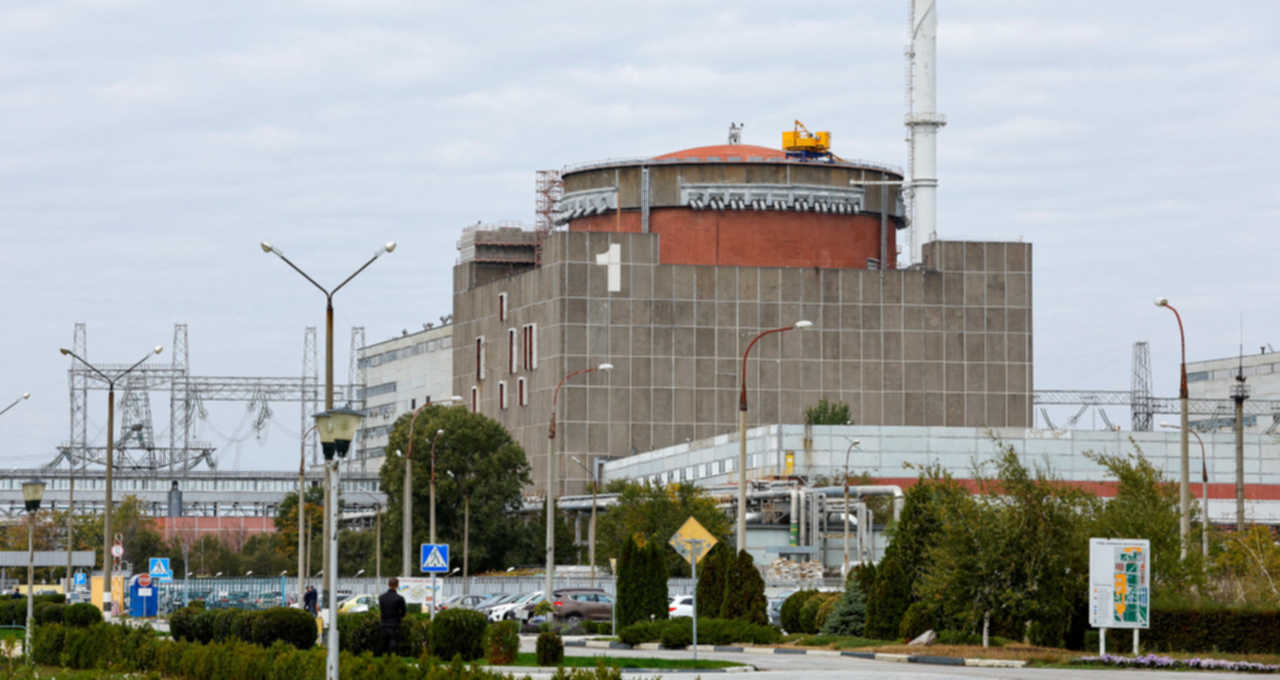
column 415, row 633
column 292, row 626
column 1219, row 629
column 677, row 634
column 959, row 637
column 13, row 612
column 221, row 623
column 46, row 644
column 83, row 615
column 502, row 642
column 359, row 633
column 550, row 649
column 790, row 610
column 808, row 617
column 828, row 605
column 918, row 618
column 55, row 598
column 458, row 631
column 641, row 631
column 744, row 592
column 49, row 612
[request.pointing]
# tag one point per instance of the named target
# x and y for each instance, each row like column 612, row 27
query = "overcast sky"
column 147, row 147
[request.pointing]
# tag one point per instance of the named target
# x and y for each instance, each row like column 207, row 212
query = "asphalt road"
column 797, row 666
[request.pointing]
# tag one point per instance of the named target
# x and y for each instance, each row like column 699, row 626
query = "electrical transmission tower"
column 136, row 446
column 1140, row 387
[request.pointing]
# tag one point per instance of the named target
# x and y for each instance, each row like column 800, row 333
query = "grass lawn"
column 832, row 641
column 527, row 659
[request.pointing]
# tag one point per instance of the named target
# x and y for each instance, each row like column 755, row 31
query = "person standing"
column 309, row 600
column 391, row 606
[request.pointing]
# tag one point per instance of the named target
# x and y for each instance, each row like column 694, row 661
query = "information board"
column 1119, row 583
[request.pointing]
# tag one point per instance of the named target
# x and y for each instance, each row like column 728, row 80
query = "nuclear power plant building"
column 668, row 267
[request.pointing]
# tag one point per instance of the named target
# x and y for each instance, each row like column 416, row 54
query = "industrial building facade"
column 945, row 344
column 401, row 374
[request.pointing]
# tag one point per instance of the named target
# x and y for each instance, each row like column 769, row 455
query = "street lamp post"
column 25, row 395
column 1204, row 493
column 1184, row 492
column 32, row 493
column 406, row 530
column 111, row 433
column 551, row 476
column 328, row 355
column 861, row 528
column 337, row 427
column 302, row 507
column 742, row 431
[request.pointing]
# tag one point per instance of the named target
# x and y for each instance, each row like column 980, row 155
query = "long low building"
column 202, row 493
column 892, row 455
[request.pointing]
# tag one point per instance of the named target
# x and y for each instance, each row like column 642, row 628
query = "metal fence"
column 224, row 593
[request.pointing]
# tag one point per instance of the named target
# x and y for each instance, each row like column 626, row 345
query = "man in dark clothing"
column 391, row 605
column 309, row 600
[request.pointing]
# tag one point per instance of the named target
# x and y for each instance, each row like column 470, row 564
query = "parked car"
column 493, row 601
column 519, row 609
column 680, row 605
column 461, row 602
column 357, row 603
column 576, row 604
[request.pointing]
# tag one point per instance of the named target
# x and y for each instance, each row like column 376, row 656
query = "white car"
column 680, row 605
column 519, row 609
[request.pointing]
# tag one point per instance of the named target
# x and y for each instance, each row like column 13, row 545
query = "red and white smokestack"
column 923, row 121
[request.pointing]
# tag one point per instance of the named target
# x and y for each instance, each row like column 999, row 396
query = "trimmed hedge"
column 550, row 649
column 710, row 632
column 265, row 627
column 790, row 610
column 49, row 612
column 82, row 615
column 1244, row 631
column 458, row 632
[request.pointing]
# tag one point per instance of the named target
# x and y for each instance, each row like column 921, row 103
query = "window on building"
column 522, row 392
column 511, row 351
column 475, row 398
column 529, row 346
column 480, row 358
column 502, row 394
column 502, row 306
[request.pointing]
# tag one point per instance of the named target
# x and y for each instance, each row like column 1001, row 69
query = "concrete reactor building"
column 667, row 267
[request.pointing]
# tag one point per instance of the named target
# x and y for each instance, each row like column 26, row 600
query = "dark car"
column 576, row 604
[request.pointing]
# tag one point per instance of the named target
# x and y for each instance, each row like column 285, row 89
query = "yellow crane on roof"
column 800, row 143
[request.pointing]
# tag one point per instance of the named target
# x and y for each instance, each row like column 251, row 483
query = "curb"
column 870, row 656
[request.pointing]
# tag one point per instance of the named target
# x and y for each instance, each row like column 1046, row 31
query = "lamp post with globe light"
column 106, row 506
column 742, row 430
column 390, row 246
column 25, row 395
column 32, row 494
column 336, row 427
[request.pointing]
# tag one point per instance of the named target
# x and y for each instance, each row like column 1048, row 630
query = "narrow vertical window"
column 522, row 396
column 502, row 394
column 475, row 399
column 511, row 351
column 502, row 306
column 480, row 358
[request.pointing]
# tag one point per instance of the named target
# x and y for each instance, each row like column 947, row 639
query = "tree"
column 480, row 470
column 656, row 513
column 906, row 558
column 630, row 584
column 744, row 592
column 827, row 413
column 713, row 572
column 286, row 521
column 850, row 614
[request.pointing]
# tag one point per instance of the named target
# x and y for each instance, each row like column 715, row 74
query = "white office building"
column 1216, row 378
column 401, row 374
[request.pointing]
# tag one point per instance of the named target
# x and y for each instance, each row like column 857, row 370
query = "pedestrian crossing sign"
column 435, row 558
column 160, row 571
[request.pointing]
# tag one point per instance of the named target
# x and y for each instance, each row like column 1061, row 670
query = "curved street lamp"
column 106, row 506
column 551, row 474
column 742, row 430
column 25, row 395
column 1184, row 492
column 1204, row 492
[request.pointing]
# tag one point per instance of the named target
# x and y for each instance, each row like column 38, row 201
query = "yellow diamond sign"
column 692, row 539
